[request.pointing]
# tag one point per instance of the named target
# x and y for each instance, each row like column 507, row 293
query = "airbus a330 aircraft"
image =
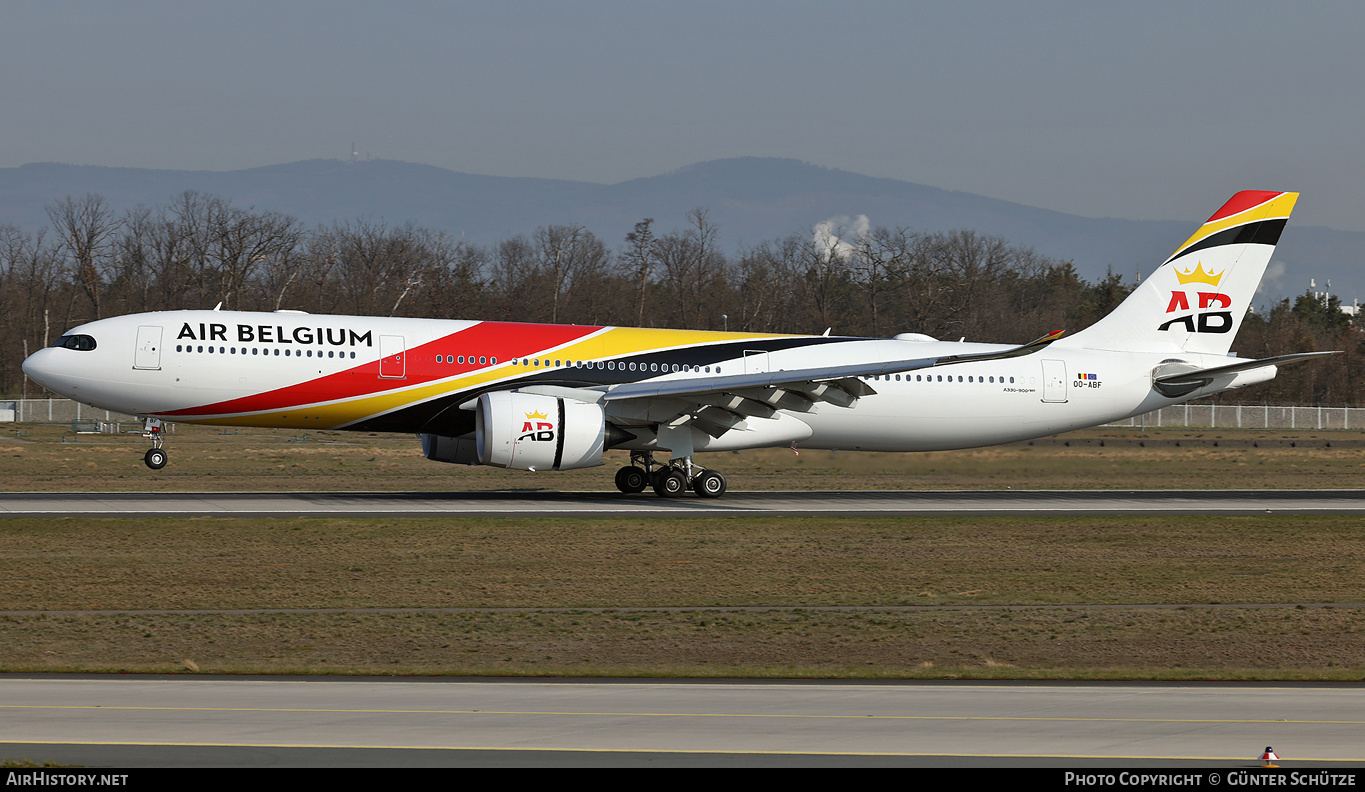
column 554, row 397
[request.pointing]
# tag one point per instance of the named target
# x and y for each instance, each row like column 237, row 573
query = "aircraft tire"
column 155, row 458
column 670, row 484
column 710, row 484
column 631, row 479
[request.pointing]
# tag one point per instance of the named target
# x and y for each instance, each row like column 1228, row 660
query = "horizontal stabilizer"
column 1176, row 385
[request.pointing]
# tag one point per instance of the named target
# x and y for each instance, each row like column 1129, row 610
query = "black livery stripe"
column 442, row 415
column 559, row 438
column 1265, row 232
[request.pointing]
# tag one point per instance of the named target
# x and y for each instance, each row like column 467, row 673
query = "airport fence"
column 56, row 411
column 1249, row 416
column 1194, row 416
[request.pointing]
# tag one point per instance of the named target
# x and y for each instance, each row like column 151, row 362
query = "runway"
column 283, row 722
column 609, row 504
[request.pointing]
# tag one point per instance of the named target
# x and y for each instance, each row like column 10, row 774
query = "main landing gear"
column 156, row 456
column 671, row 480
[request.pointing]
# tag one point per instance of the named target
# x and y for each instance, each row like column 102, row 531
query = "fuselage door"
column 393, row 363
column 148, row 352
column 1054, row 380
column 755, row 361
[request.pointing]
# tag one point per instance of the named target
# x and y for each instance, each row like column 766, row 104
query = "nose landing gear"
column 155, row 457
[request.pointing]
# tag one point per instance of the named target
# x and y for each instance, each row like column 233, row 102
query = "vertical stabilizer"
column 1195, row 301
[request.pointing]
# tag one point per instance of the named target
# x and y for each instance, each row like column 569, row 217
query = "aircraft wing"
column 730, row 398
column 1180, row 383
column 694, row 386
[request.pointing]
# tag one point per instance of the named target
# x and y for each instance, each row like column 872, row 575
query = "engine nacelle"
column 528, row 431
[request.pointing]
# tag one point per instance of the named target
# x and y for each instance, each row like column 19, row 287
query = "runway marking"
column 625, row 714
column 667, row 751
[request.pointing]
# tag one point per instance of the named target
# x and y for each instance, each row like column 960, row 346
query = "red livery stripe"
column 501, row 340
column 1242, row 201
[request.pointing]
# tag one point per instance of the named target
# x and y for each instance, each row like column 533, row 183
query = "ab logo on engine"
column 537, row 428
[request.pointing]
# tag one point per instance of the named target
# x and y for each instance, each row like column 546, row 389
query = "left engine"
column 528, row 431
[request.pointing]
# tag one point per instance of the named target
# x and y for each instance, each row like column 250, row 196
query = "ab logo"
column 537, row 428
column 1208, row 322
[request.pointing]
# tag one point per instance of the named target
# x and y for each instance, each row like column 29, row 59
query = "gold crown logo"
column 1199, row 276
column 535, row 416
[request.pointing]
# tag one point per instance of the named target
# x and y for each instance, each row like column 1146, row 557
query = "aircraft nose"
column 40, row 368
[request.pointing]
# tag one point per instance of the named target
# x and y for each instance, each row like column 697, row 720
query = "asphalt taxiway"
column 607, row 504
column 315, row 721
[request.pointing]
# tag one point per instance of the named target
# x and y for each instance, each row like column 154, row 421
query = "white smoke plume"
column 1270, row 281
column 835, row 237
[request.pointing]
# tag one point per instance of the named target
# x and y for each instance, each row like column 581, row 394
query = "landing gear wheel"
column 710, row 484
column 631, row 479
column 670, row 483
column 155, row 458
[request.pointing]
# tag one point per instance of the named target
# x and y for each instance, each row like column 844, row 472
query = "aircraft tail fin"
column 1196, row 299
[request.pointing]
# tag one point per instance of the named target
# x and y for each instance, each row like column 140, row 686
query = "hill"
column 750, row 199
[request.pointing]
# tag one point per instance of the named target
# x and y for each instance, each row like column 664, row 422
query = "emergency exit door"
column 393, row 361
column 1054, row 380
column 148, row 352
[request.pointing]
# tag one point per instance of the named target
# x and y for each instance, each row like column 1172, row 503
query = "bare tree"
column 692, row 267
column 86, row 228
column 640, row 258
column 561, row 249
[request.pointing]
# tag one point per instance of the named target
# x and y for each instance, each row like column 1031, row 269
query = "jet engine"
column 528, row 431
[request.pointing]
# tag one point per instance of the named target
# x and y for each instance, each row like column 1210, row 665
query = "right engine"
column 528, row 431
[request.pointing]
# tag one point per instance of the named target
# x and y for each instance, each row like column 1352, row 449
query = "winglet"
column 1019, row 351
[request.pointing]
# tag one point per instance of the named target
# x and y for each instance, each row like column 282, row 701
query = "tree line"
column 854, row 279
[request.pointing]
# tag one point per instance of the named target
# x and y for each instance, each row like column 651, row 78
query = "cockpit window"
column 82, row 343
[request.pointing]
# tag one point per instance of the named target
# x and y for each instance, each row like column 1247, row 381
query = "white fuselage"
column 343, row 372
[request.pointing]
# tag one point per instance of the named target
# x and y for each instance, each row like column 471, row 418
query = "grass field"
column 1266, row 597
column 34, row 458
column 917, row 581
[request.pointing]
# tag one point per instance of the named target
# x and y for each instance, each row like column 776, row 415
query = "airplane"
column 539, row 397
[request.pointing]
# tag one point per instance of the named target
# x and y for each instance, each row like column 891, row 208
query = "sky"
column 1146, row 111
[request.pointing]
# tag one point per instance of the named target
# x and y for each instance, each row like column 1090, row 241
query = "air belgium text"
column 278, row 334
